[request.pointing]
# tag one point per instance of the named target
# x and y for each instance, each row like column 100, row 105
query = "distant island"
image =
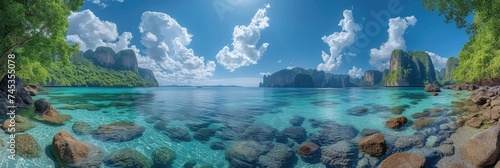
column 413, row 68
column 200, row 86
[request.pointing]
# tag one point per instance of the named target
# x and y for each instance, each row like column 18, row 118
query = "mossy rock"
column 59, row 120
column 27, row 147
column 22, row 124
column 399, row 109
column 82, row 128
column 163, row 157
column 127, row 158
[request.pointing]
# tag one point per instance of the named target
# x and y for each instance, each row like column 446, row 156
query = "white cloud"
column 264, row 73
column 290, row 67
column 355, row 72
column 338, row 41
column 102, row 4
column 438, row 61
column 91, row 32
column 167, row 52
column 245, row 51
column 397, row 26
column 279, row 61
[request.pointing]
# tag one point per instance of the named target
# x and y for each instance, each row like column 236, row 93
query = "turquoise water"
column 225, row 107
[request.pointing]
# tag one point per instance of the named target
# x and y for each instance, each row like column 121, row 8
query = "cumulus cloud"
column 264, row 73
column 244, row 50
column 101, row 2
column 338, row 41
column 397, row 27
column 90, row 32
column 290, row 67
column 355, row 72
column 167, row 51
column 438, row 61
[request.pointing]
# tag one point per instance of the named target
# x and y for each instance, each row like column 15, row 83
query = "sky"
column 236, row 42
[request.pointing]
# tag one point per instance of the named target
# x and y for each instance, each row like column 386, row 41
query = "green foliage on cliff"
column 82, row 72
column 412, row 68
column 480, row 56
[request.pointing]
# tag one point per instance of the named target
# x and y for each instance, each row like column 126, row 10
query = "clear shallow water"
column 226, row 107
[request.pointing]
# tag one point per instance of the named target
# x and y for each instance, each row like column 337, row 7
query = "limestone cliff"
column 299, row 77
column 412, row 68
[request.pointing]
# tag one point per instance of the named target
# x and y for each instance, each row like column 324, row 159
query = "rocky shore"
column 463, row 136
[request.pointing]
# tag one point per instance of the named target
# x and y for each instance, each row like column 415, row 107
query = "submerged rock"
column 332, row 133
column 196, row 125
column 422, row 122
column 399, row 109
column 21, row 124
column 368, row 132
column 163, row 157
column 373, row 145
column 69, row 152
column 357, row 111
column 204, row 134
column 280, row 156
column 52, row 117
column 259, row 133
column 406, row 142
column 297, row 133
column 397, row 122
column 127, row 158
column 218, row 145
column 82, row 128
column 297, row 120
column 309, row 152
column 341, row 154
column 483, row 149
column 403, row 160
column 26, row 146
column 244, row 154
column 177, row 134
column 120, row 131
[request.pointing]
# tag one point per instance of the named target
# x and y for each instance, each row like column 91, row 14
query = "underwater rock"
column 69, row 152
column 259, row 133
column 82, row 128
column 419, row 114
column 483, row 149
column 297, row 120
column 373, row 145
column 403, row 160
column 120, row 131
column 196, row 125
column 26, row 146
column 309, row 152
column 314, row 123
column 52, row 117
column 380, row 108
column 368, row 132
column 399, row 109
column 341, row 154
column 218, row 145
column 244, row 154
column 422, row 122
column 280, row 156
column 177, row 134
column 42, row 105
column 406, row 142
column 281, row 137
column 396, row 122
column 357, row 111
column 204, row 134
column 332, row 133
column 88, row 107
column 297, row 133
column 163, row 157
column 22, row 124
column 127, row 158
column 189, row 164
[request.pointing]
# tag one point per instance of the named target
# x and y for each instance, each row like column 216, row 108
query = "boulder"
column 82, row 128
column 422, row 122
column 120, row 131
column 297, row 133
column 259, row 133
column 332, row 133
column 244, row 154
column 373, row 145
column 21, row 124
column 483, row 149
column 196, row 125
column 340, row 154
column 163, row 157
column 26, row 146
column 399, row 109
column 279, row 156
column 419, row 114
column 52, row 117
column 204, row 134
column 409, row 141
column 403, row 160
column 127, row 158
column 69, row 152
column 474, row 122
column 42, row 105
column 218, row 145
column 297, row 120
column 358, row 111
column 309, row 152
column 432, row 88
column 397, row 122
column 179, row 134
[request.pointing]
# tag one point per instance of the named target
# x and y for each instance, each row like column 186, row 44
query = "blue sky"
column 171, row 37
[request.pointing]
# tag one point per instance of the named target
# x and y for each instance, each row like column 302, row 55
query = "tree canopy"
column 35, row 30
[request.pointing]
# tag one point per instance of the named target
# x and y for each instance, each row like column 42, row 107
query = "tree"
column 36, row 28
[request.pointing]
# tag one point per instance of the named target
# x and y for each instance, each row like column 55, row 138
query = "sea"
column 224, row 109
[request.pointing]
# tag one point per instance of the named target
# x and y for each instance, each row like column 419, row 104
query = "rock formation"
column 299, row 77
column 412, row 68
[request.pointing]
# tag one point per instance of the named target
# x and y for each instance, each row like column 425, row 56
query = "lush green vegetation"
column 414, row 68
column 35, row 30
column 82, row 72
column 480, row 57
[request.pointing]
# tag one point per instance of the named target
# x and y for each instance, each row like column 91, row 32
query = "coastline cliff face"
column 299, row 77
column 148, row 76
column 412, row 68
column 451, row 65
column 373, row 77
